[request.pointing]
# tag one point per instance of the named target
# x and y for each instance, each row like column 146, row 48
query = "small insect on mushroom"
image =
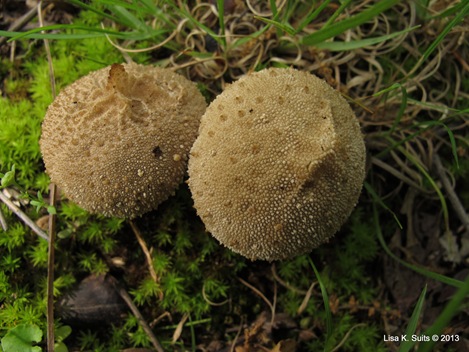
column 109, row 139
column 299, row 170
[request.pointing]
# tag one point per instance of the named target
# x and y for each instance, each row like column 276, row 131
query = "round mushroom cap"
column 278, row 165
column 117, row 140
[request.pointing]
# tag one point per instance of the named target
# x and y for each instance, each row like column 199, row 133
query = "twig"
column 128, row 300
column 453, row 198
column 52, row 217
column 204, row 295
column 306, row 299
column 3, row 221
column 232, row 348
column 261, row 295
column 283, row 283
column 17, row 211
column 395, row 172
column 50, row 273
column 144, row 247
column 336, row 348
column 178, row 331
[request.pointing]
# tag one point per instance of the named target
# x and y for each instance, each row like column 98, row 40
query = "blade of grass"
column 151, row 6
column 451, row 11
column 51, row 36
column 35, row 33
column 401, row 110
column 92, row 9
column 451, row 309
column 454, row 22
column 421, row 8
column 356, row 44
column 281, row 26
column 426, row 125
column 186, row 14
column 190, row 323
column 378, row 200
column 325, row 298
column 311, row 16
column 454, row 148
column 273, row 8
column 221, row 20
column 129, row 19
column 337, row 13
column 392, row 87
column 275, row 15
column 432, row 182
column 420, row 270
column 412, row 326
column 134, row 5
column 246, row 39
column 354, row 21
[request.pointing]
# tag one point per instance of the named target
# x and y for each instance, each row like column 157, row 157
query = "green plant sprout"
column 8, row 178
column 40, row 203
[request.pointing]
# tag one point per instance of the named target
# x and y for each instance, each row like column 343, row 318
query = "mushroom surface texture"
column 278, row 165
column 117, row 140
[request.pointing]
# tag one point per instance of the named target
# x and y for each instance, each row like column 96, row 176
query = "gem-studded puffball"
column 117, row 140
column 278, row 165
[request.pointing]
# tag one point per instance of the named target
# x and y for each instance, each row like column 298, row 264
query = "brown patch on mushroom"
column 124, row 131
column 291, row 165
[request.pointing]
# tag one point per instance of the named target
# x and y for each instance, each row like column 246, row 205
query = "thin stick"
column 306, row 299
column 52, row 217
column 283, row 283
column 395, row 172
column 453, row 198
column 261, row 295
column 237, row 335
column 204, row 295
column 128, row 300
column 50, row 273
column 336, row 348
column 3, row 221
column 144, row 247
column 17, row 211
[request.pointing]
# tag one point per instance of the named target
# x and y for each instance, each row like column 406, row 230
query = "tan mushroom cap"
column 278, row 165
column 117, row 140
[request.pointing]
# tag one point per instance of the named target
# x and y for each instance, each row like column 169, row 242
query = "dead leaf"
column 449, row 243
column 334, row 303
column 43, row 222
column 94, row 301
column 178, row 331
column 353, row 304
column 288, row 345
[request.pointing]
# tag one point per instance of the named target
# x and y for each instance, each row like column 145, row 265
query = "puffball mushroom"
column 117, row 140
column 278, row 165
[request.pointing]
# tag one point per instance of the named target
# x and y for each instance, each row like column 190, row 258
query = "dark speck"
column 157, row 152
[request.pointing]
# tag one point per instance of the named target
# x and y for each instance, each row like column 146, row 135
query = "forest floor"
column 400, row 264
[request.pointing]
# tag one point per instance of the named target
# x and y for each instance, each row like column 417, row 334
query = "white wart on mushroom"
column 117, row 140
column 278, row 165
